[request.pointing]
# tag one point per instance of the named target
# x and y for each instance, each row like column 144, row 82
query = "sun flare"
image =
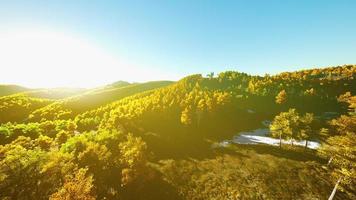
column 54, row 59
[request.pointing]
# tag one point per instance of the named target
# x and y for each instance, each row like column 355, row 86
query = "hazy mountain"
column 11, row 89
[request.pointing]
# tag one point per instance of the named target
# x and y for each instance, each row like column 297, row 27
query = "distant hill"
column 11, row 89
column 54, row 93
column 118, row 84
column 72, row 106
column 17, row 107
column 46, row 93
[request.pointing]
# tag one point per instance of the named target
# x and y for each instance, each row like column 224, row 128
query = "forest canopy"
column 154, row 140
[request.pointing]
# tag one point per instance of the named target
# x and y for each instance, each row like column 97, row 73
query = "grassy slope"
column 250, row 172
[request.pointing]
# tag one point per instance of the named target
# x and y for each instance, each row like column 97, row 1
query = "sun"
column 55, row 59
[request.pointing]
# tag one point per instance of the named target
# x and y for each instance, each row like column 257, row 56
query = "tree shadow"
column 156, row 189
column 288, row 152
column 180, row 148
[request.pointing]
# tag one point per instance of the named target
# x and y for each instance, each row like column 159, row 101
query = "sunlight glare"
column 54, row 59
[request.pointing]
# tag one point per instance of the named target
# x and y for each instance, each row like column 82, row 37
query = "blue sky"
column 199, row 36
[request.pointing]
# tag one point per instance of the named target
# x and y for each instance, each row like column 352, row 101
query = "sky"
column 87, row 43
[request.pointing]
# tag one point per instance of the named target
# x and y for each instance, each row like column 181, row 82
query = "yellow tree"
column 306, row 131
column 291, row 125
column 186, row 116
column 283, row 124
column 76, row 187
column 281, row 97
column 133, row 159
column 200, row 110
column 341, row 149
column 62, row 137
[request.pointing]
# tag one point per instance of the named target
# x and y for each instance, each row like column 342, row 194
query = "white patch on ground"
column 251, row 111
column 259, row 136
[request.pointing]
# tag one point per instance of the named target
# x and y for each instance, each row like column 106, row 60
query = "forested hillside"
column 17, row 107
column 156, row 140
column 72, row 106
column 10, row 89
column 54, row 93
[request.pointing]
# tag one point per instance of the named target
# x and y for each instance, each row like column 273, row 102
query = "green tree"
column 4, row 134
column 210, row 75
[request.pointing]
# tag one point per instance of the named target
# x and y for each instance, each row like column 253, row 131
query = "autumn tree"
column 281, row 97
column 309, row 92
column 44, row 142
column 350, row 100
column 20, row 172
column 307, row 130
column 201, row 108
column 133, row 159
column 283, row 125
column 341, row 149
column 76, row 187
column 62, row 137
column 292, row 126
column 186, row 116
